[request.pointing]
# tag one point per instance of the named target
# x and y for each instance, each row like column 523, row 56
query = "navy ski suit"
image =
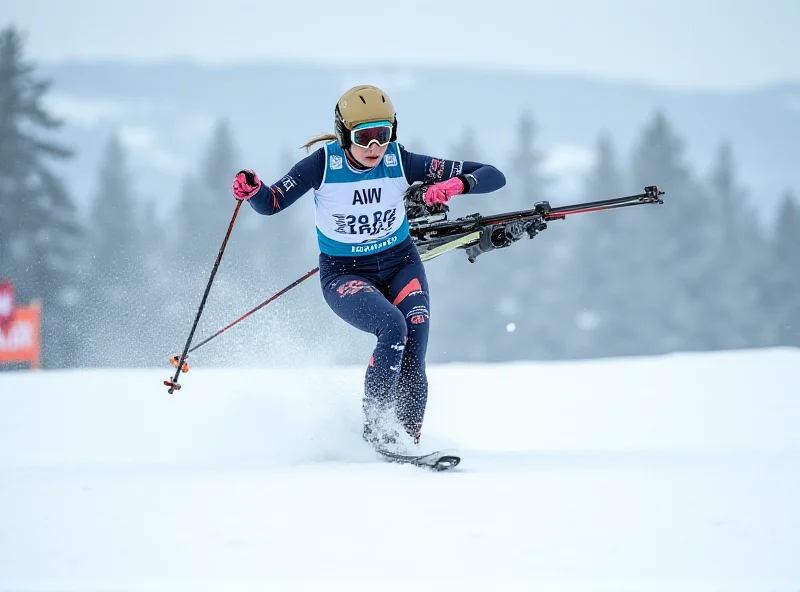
column 370, row 271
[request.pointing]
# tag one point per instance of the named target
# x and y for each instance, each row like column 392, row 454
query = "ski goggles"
column 365, row 134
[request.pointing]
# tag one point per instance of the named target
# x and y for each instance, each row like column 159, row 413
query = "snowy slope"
column 669, row 473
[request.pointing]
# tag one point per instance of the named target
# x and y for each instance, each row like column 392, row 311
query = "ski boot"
column 391, row 437
column 379, row 436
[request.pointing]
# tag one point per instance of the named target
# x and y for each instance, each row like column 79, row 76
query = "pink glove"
column 442, row 192
column 246, row 184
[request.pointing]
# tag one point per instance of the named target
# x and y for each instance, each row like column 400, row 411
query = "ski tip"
column 447, row 462
column 438, row 460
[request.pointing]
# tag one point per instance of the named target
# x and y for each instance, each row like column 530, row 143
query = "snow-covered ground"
column 670, row 473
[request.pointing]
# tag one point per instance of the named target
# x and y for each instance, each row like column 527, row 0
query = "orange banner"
column 20, row 343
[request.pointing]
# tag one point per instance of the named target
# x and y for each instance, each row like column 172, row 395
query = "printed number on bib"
column 365, row 224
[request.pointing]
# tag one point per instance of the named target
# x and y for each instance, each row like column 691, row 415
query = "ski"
column 431, row 252
column 438, row 460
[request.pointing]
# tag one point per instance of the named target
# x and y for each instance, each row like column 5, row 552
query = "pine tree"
column 670, row 247
column 601, row 266
column 530, row 275
column 526, row 170
column 206, row 203
column 117, row 306
column 782, row 283
column 39, row 229
column 732, row 316
column 156, row 334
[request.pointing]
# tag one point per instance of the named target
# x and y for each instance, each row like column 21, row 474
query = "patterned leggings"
column 386, row 294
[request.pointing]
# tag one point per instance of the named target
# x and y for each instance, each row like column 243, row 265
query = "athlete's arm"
column 477, row 177
column 302, row 177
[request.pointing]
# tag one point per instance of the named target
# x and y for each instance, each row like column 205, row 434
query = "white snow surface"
column 678, row 472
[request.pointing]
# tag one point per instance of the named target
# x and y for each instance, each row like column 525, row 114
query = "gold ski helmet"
column 362, row 104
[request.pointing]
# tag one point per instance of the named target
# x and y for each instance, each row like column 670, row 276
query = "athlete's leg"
column 409, row 293
column 361, row 304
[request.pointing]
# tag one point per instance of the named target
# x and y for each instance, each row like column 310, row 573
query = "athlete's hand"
column 246, row 184
column 440, row 193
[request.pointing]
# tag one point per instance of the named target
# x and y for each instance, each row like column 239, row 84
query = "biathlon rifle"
column 434, row 233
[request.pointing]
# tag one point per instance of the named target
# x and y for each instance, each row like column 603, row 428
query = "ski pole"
column 179, row 363
column 275, row 296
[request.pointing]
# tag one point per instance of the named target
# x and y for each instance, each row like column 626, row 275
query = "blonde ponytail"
column 319, row 138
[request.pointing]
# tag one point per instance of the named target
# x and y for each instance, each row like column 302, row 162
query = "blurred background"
column 123, row 124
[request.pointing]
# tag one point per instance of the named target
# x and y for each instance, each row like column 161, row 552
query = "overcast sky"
column 720, row 44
